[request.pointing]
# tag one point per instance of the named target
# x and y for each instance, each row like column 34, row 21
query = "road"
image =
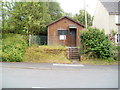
column 32, row 75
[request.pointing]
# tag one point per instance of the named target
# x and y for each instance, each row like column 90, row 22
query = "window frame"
column 118, row 38
column 62, row 32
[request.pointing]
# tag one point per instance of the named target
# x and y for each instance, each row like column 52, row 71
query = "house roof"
column 111, row 6
column 66, row 18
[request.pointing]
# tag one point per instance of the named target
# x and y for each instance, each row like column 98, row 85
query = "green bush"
column 118, row 48
column 118, row 52
column 13, row 47
column 96, row 44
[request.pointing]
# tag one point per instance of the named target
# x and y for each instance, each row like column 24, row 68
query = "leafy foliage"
column 81, row 18
column 118, row 52
column 55, row 10
column 13, row 47
column 29, row 17
column 118, row 48
column 96, row 44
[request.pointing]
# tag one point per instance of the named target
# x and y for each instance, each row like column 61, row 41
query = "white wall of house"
column 118, row 29
column 112, row 23
column 101, row 18
column 117, row 21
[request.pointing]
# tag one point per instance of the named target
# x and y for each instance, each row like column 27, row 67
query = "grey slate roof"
column 111, row 6
column 109, row 0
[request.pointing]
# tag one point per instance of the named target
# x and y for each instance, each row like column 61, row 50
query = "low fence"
column 37, row 40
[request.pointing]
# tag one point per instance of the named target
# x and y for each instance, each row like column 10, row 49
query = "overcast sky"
column 73, row 6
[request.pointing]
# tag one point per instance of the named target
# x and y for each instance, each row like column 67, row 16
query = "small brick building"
column 64, row 31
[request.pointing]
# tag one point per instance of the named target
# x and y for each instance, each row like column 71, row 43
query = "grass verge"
column 99, row 62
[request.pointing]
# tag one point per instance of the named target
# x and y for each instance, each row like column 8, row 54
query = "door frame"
column 70, row 29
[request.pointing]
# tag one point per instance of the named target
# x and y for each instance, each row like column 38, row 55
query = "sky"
column 73, row 6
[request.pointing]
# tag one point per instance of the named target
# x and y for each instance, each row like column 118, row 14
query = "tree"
column 29, row 17
column 55, row 10
column 81, row 18
column 6, row 24
column 68, row 14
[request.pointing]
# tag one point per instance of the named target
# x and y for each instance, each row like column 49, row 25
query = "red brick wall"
column 53, row 37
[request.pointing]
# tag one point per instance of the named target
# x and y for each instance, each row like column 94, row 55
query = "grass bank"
column 46, row 54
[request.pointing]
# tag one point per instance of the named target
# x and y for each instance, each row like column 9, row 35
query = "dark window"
column 62, row 32
column 118, row 38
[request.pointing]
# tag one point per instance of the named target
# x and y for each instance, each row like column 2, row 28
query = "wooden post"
column 30, row 37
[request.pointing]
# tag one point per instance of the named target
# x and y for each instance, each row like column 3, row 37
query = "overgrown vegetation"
column 96, row 44
column 118, row 48
column 46, row 54
column 13, row 47
column 29, row 17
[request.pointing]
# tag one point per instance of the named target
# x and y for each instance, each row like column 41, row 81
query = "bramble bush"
column 95, row 44
column 13, row 47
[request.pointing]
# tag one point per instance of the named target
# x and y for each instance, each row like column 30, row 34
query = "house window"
column 117, row 19
column 62, row 32
column 118, row 38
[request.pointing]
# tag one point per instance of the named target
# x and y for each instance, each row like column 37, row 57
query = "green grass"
column 38, row 54
column 99, row 62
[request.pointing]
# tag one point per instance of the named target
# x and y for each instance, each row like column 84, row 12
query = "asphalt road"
column 29, row 75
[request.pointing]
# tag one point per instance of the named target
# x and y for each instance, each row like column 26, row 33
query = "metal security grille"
column 43, row 40
column 38, row 40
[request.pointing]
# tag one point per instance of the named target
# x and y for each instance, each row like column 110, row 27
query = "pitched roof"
column 67, row 18
column 111, row 6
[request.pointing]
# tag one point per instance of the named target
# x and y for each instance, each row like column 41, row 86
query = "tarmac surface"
column 36, row 75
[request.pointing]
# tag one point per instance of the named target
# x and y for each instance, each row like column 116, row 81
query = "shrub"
column 96, row 44
column 118, row 52
column 13, row 47
column 118, row 48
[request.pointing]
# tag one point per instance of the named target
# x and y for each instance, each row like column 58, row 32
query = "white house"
column 107, row 17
